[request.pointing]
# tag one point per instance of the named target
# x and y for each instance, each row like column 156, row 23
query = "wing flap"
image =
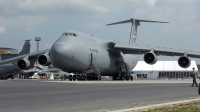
column 137, row 20
column 141, row 49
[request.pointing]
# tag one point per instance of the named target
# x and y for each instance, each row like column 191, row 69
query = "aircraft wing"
column 51, row 71
column 30, row 56
column 29, row 71
column 158, row 50
column 42, row 71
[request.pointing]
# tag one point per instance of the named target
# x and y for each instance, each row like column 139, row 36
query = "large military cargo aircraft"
column 79, row 53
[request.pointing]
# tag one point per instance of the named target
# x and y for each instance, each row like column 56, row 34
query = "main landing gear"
column 83, row 77
column 124, row 72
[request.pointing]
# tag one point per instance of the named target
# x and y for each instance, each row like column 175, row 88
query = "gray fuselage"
column 73, row 54
column 8, row 69
column 12, row 69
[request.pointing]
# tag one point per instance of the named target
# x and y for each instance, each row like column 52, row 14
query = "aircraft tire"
column 131, row 77
column 70, row 77
column 127, row 78
column 74, row 77
column 93, row 78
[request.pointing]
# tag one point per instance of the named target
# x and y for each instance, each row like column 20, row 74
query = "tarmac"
column 145, row 81
column 91, row 96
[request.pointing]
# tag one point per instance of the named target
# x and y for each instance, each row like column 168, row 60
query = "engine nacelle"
column 184, row 62
column 24, row 64
column 150, row 58
column 44, row 60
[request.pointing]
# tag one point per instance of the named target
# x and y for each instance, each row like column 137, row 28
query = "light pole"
column 37, row 39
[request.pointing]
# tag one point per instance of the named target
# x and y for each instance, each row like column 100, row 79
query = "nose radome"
column 57, row 54
column 56, row 49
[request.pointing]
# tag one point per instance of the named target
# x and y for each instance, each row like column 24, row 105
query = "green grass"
column 185, row 107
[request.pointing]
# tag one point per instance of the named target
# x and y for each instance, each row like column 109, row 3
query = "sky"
column 48, row 19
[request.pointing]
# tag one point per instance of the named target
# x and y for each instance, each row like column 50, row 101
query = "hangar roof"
column 163, row 66
column 6, row 48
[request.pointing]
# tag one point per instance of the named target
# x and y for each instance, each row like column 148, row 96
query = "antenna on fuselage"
column 134, row 24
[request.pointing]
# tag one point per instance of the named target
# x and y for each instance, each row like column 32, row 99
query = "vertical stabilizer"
column 134, row 24
column 26, row 48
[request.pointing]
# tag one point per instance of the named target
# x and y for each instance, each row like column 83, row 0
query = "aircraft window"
column 74, row 35
column 71, row 34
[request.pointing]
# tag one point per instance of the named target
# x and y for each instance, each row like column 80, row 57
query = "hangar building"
column 6, row 53
column 162, row 69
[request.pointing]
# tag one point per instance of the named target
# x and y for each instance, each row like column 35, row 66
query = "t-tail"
column 135, row 23
column 26, row 48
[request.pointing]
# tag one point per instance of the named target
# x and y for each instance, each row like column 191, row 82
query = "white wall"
column 163, row 66
column 155, row 74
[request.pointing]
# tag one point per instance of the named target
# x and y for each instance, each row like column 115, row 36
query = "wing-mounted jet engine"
column 150, row 57
column 44, row 59
column 184, row 61
column 24, row 64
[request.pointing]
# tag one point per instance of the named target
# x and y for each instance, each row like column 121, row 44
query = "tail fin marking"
column 26, row 48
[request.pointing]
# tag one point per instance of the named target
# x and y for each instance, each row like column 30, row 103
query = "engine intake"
column 23, row 64
column 184, row 62
column 150, row 58
column 44, row 60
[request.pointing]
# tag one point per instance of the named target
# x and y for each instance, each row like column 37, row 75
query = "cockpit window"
column 74, row 34
column 71, row 34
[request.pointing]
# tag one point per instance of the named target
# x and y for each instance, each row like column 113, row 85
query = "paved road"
column 47, row 96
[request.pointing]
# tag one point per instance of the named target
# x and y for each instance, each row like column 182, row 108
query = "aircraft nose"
column 57, row 54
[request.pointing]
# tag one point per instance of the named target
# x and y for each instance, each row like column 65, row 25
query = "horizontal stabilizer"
column 136, row 20
column 135, row 23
